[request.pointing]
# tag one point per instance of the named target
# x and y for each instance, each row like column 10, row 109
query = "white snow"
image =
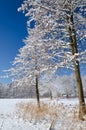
column 65, row 121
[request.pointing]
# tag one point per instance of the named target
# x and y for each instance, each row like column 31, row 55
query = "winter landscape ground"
column 59, row 114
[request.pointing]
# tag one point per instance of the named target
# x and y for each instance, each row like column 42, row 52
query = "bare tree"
column 62, row 24
column 31, row 61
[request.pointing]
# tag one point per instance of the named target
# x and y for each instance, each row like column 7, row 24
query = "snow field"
column 64, row 116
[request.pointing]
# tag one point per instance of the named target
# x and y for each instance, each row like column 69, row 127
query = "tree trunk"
column 74, row 48
column 37, row 92
column 36, row 77
column 50, row 94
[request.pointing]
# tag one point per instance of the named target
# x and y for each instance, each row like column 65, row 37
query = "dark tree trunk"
column 50, row 94
column 36, row 77
column 37, row 92
column 74, row 48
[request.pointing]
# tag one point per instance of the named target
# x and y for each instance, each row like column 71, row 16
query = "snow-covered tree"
column 31, row 61
column 63, row 24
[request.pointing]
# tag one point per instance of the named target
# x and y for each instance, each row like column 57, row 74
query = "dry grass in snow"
column 59, row 116
column 30, row 111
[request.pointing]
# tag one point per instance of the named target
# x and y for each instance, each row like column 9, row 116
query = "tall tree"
column 31, row 61
column 74, row 47
column 62, row 23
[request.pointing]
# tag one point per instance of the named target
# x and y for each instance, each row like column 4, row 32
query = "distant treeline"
column 61, row 86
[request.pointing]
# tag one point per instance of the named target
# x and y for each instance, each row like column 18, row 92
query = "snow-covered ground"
column 66, row 116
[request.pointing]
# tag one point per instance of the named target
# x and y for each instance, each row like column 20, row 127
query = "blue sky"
column 12, row 31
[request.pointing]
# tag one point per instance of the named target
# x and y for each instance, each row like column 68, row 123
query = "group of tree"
column 59, row 87
column 57, row 39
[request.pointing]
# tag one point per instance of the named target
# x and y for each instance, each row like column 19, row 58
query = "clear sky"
column 12, row 31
